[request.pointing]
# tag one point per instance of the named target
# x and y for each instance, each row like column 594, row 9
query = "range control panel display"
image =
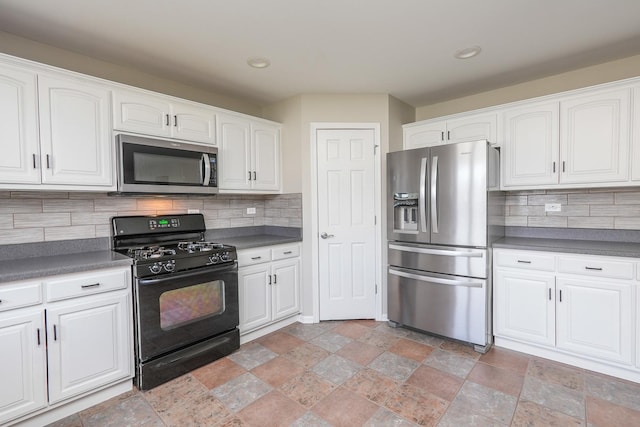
column 156, row 223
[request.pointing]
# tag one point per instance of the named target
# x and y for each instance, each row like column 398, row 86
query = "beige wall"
column 28, row 49
column 289, row 113
column 589, row 76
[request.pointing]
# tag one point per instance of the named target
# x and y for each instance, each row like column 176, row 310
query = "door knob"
column 326, row 236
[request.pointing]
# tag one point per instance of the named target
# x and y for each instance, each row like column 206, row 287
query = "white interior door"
column 346, row 223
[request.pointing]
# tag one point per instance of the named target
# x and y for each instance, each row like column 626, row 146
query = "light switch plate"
column 192, row 211
column 251, row 211
column 553, row 207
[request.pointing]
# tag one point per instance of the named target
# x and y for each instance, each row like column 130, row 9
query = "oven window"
column 182, row 306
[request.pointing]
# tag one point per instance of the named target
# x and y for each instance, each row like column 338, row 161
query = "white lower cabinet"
column 269, row 285
column 23, row 388
column 67, row 346
column 577, row 309
column 525, row 308
column 595, row 318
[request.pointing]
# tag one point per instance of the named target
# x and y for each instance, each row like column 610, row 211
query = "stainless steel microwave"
column 147, row 165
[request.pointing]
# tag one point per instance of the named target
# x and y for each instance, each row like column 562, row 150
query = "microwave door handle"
column 434, row 194
column 207, row 169
column 422, row 202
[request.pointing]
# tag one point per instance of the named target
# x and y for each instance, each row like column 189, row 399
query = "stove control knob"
column 170, row 266
column 214, row 259
column 155, row 268
column 225, row 256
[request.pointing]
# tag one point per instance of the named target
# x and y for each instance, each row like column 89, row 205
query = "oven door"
column 180, row 309
column 158, row 166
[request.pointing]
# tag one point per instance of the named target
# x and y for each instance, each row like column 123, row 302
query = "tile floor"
column 364, row 373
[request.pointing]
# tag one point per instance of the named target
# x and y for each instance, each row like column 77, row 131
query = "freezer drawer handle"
column 435, row 279
column 437, row 251
column 593, row 268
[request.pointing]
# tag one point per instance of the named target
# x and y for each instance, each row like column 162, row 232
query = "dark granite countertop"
column 33, row 267
column 591, row 247
column 32, row 260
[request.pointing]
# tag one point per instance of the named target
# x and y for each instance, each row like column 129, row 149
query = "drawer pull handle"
column 524, row 261
column 93, row 285
column 593, row 268
column 256, row 258
column 287, row 252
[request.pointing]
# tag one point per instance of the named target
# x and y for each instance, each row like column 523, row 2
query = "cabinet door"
column 234, row 151
column 595, row 318
column 473, row 128
column 75, row 132
column 141, row 113
column 23, row 363
column 255, row 296
column 594, row 137
column 286, row 287
column 635, row 139
column 525, row 306
column 20, row 159
column 425, row 135
column 266, row 157
column 89, row 343
column 531, row 145
column 192, row 123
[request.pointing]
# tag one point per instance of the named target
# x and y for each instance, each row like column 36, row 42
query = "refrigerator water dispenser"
column 405, row 212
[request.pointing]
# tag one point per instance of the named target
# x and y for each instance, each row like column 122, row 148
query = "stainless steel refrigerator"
column 444, row 209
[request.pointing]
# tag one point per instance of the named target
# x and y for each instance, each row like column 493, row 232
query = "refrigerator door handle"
column 470, row 254
column 434, row 195
column 436, row 280
column 422, row 202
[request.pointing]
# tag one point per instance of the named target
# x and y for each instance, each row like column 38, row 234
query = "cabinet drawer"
column 596, row 266
column 78, row 285
column 285, row 252
column 254, row 256
column 20, row 295
column 528, row 260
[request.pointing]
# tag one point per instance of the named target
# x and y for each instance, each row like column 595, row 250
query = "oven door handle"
column 187, row 274
column 207, row 169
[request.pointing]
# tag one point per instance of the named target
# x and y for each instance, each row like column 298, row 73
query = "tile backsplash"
column 616, row 208
column 27, row 216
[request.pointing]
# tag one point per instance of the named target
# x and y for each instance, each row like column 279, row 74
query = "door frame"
column 315, row 241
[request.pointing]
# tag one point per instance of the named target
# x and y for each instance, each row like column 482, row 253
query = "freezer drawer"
column 441, row 259
column 451, row 306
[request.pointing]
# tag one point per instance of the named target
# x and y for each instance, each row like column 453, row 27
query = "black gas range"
column 185, row 294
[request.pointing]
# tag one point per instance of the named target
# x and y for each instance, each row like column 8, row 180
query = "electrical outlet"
column 553, row 207
column 192, row 211
column 251, row 211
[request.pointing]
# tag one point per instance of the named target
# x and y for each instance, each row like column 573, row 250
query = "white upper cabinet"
column 265, row 145
column 20, row 157
column 473, row 128
column 594, row 137
column 75, row 132
column 575, row 141
column 635, row 140
column 531, row 145
column 249, row 154
column 468, row 128
column 149, row 114
column 424, row 135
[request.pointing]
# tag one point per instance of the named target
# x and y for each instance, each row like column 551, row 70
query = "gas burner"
column 151, row 252
column 192, row 247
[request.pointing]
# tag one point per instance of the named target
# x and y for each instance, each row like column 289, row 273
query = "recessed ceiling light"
column 467, row 52
column 257, row 62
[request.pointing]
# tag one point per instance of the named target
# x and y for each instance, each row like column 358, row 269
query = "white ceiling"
column 402, row 47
